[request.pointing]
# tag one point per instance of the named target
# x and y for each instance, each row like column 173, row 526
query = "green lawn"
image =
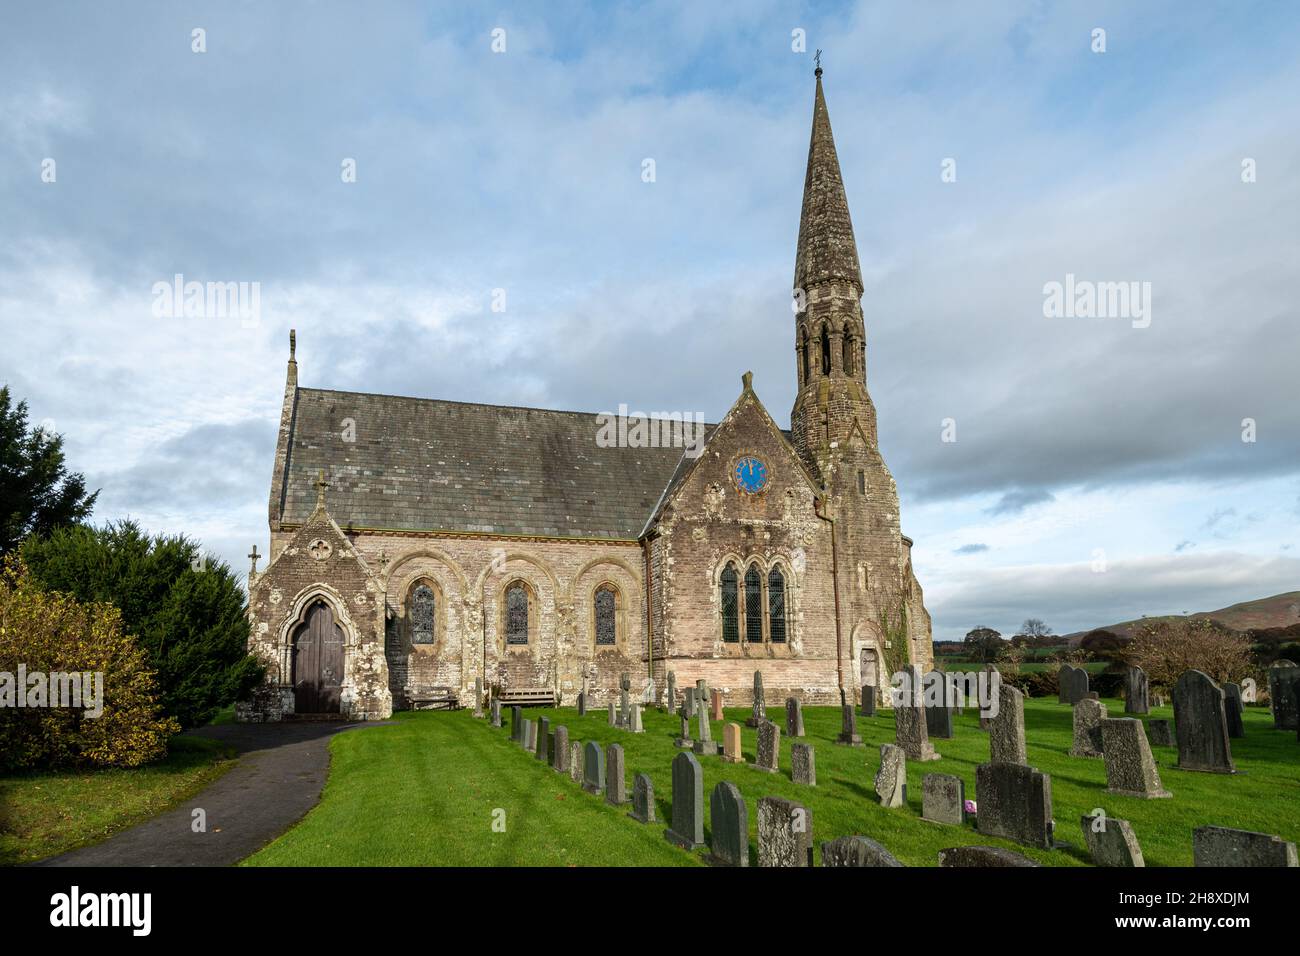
column 50, row 812
column 422, row 792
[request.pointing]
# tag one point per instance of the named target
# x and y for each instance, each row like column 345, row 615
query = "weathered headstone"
column 582, row 704
column 684, row 738
column 849, row 727
column 1201, row 725
column 759, row 712
column 1015, row 803
column 729, row 826
column 784, row 833
column 868, row 702
column 612, row 715
column 715, row 704
column 643, row 799
column 543, row 740
column 891, row 778
column 530, row 735
column 1161, row 732
column 560, row 754
column 1222, row 846
column 1137, row 691
column 624, row 707
column 731, row 751
column 943, row 799
column 478, row 697
column 635, row 725
column 793, row 717
column 910, row 732
column 615, row 776
column 672, row 692
column 938, row 722
column 577, row 764
column 1130, row 769
column 1007, row 727
column 1088, row 715
column 1233, row 710
column 1284, row 694
column 687, row 828
column 856, row 851
column 625, row 681
column 803, row 764
column 768, row 749
column 496, row 713
column 516, row 724
column 1074, row 684
column 1110, row 841
column 593, row 768
column 983, row 856
column 705, row 745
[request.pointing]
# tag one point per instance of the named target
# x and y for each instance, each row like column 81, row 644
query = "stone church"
column 418, row 546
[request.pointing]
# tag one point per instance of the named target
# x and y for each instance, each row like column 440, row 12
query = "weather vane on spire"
column 817, row 58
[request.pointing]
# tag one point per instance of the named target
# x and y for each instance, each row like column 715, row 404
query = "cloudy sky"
column 1098, row 471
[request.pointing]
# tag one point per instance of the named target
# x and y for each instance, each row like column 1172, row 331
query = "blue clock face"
column 751, row 475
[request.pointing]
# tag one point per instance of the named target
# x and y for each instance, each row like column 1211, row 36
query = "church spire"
column 827, row 250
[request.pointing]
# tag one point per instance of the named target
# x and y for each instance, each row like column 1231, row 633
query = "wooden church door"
column 318, row 662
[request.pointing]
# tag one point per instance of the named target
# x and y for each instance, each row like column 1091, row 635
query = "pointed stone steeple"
column 827, row 249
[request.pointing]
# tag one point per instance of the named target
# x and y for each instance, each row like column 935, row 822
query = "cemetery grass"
column 44, row 813
column 422, row 792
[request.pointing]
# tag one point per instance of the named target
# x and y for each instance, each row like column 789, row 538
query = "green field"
column 423, row 792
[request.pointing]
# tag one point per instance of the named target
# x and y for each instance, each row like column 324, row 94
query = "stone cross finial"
column 293, row 343
column 817, row 58
column 252, row 571
column 747, row 381
column 321, row 485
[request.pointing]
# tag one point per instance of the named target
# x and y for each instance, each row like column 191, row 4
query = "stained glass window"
column 516, row 614
column 753, row 606
column 730, row 615
column 776, row 605
column 605, row 606
column 422, row 613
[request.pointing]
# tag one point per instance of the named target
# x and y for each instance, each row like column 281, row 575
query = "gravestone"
column 478, row 697
column 705, row 745
column 891, row 778
column 849, row 727
column 1284, row 694
column 593, row 768
column 543, row 740
column 624, row 706
column 612, row 715
column 1137, row 691
column 943, row 799
column 1074, row 684
column 516, row 724
column 1161, row 732
column 615, row 776
column 1015, row 803
column 582, row 704
column 1111, row 841
column 684, row 738
column 672, row 692
column 729, row 826
column 635, row 726
column 768, row 750
column 1222, row 846
column 856, row 851
column 687, row 829
column 911, row 734
column 803, row 764
column 982, row 856
column 715, row 704
column 577, row 764
column 868, row 702
column 938, row 722
column 759, row 712
column 1007, row 727
column 1130, row 768
column 496, row 713
column 560, row 753
column 702, row 692
column 1201, row 725
column 1088, row 715
column 643, row 799
column 793, row 717
column 1233, row 710
column 731, row 752
column 784, row 833
column 529, row 740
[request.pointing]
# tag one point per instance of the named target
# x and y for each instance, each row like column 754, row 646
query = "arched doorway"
column 317, row 662
column 868, row 669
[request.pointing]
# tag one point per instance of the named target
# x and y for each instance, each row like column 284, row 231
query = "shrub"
column 50, row 632
column 1034, row 683
column 1167, row 648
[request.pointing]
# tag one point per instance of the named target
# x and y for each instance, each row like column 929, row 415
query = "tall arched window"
column 606, row 610
column 753, row 605
column 517, row 613
column 730, row 608
column 776, row 605
column 826, row 351
column 803, row 356
column 848, row 354
column 421, row 611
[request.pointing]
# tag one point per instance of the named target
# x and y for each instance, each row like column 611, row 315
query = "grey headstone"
column 635, row 726
column 687, row 829
column 684, row 738
column 496, row 713
column 516, row 724
column 891, row 778
column 1284, row 694
column 768, row 748
column 849, row 727
column 593, row 768
column 1073, row 684
column 582, row 704
column 1137, row 691
column 544, row 740
column 672, row 692
column 868, row 702
column 615, row 776
column 803, row 764
column 688, row 702
column 793, row 717
column 784, row 833
column 478, row 697
column 760, row 701
column 911, row 734
column 982, row 856
column 624, row 708
column 938, row 722
column 577, row 763
column 1201, row 725
column 943, row 799
column 1221, row 846
column 643, row 799
column 560, row 753
column 729, row 826
column 1015, row 803
column 530, row 735
column 1161, row 732
column 1007, row 727
column 856, row 851
column 1111, row 841
column 612, row 715
column 1130, row 769
column 1233, row 710
column 625, row 681
column 705, row 745
column 1088, row 715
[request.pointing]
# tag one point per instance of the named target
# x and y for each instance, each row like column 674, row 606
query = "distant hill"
column 1276, row 611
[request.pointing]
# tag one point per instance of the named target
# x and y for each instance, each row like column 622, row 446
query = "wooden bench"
column 439, row 698
column 528, row 697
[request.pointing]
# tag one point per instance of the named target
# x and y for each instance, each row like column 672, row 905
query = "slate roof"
column 429, row 465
